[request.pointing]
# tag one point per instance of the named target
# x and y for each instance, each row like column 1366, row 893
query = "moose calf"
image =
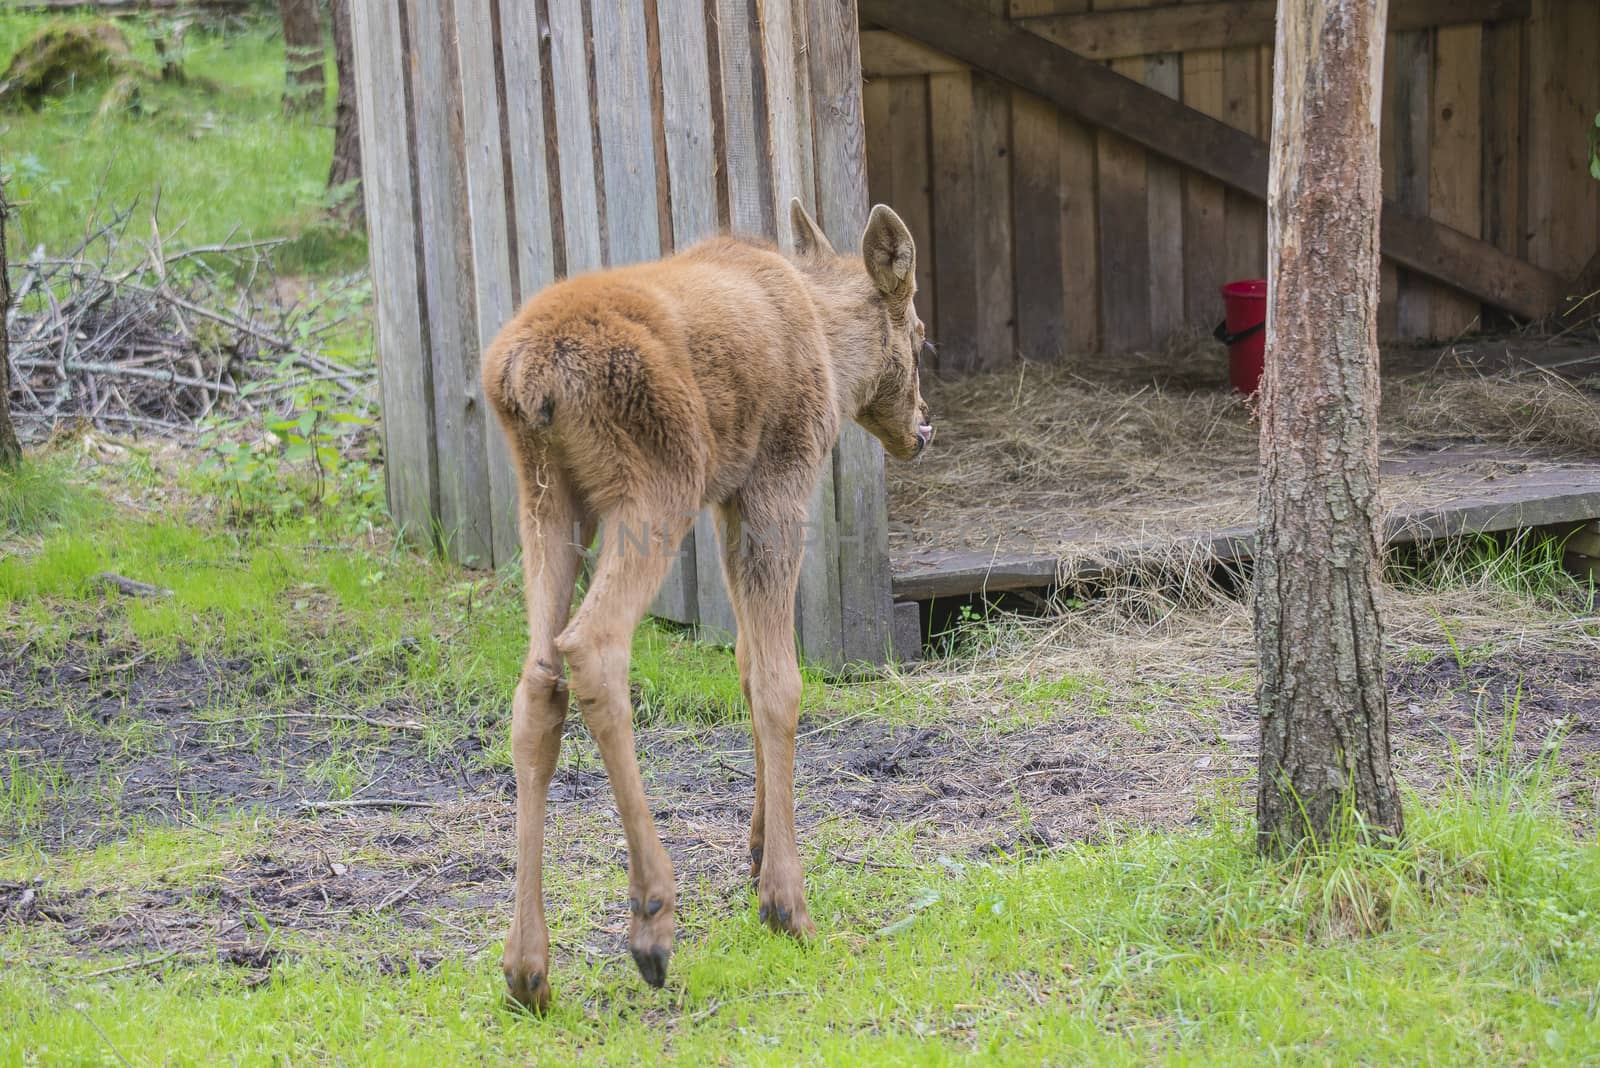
column 635, row 397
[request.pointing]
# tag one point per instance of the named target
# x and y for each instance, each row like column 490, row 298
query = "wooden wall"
column 512, row 142
column 1039, row 235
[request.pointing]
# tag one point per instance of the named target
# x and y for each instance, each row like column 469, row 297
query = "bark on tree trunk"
column 1324, row 711
column 302, row 44
column 10, row 450
column 345, row 174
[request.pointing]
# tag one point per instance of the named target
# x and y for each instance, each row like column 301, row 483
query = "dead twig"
column 364, row 802
column 130, row 587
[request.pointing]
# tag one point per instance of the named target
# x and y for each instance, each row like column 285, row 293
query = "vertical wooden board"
column 911, row 192
column 625, row 111
column 1037, row 203
column 1408, row 69
column 1204, row 201
column 880, row 151
column 1163, row 73
column 1124, row 234
column 866, row 606
column 745, row 156
column 569, row 77
column 991, row 118
column 1246, row 219
column 404, row 373
column 1455, row 152
column 955, row 274
column 627, row 146
column 465, row 499
column 1080, row 239
column 1502, row 92
column 686, row 110
column 784, row 113
column 626, row 108
column 490, row 234
column 1564, row 88
column 533, row 244
column 788, row 108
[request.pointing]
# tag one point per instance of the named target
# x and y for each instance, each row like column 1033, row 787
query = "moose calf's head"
column 888, row 336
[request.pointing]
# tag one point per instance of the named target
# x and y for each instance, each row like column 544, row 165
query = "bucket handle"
column 1222, row 335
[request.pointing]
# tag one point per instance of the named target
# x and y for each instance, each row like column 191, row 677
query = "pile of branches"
column 157, row 343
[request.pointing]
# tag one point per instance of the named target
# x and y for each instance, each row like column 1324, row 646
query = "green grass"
column 39, row 495
column 1475, row 942
column 226, row 164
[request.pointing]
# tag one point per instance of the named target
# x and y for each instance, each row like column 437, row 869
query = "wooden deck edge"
column 964, row 573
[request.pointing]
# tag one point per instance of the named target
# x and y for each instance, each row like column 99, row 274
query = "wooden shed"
column 1080, row 177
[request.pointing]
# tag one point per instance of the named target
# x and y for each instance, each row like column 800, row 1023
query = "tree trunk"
column 10, row 450
column 302, row 55
column 1324, row 712
column 345, row 174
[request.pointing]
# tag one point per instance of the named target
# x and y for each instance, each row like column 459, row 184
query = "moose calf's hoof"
column 652, row 962
column 795, row 922
column 529, row 990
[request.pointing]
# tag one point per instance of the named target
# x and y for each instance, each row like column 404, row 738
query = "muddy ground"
column 971, row 787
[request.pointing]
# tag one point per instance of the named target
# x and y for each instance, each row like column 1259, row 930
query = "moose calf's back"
column 699, row 367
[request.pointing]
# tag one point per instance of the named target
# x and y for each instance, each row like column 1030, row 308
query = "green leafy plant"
column 311, row 461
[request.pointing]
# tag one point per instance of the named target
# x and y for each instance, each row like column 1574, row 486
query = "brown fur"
column 635, row 397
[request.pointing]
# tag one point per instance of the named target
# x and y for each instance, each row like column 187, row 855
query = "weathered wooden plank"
column 1080, row 238
column 489, row 233
column 1036, row 202
column 861, row 498
column 1503, row 92
column 405, row 375
column 1204, row 200
column 1089, row 91
column 1108, row 33
column 1455, row 183
column 691, row 152
column 888, row 55
column 911, row 192
column 991, row 119
column 1245, row 223
column 534, row 253
column 954, row 209
column 627, row 145
column 745, row 157
column 625, row 113
column 880, row 146
column 581, row 206
column 465, row 499
column 1408, row 69
column 1564, row 86
column 1514, row 502
column 1163, row 73
column 788, row 105
column 1124, row 230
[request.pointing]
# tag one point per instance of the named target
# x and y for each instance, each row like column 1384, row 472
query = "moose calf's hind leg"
column 538, row 711
column 597, row 646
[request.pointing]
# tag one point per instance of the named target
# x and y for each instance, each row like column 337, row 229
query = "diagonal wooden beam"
column 1094, row 93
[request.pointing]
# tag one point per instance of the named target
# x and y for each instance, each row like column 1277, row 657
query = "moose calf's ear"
column 890, row 254
column 809, row 240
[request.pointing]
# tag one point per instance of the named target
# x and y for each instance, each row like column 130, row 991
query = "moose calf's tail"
column 522, row 377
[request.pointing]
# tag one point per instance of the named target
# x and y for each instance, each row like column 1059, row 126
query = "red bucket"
column 1244, row 331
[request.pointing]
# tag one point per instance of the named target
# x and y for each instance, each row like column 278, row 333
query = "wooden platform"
column 1461, row 501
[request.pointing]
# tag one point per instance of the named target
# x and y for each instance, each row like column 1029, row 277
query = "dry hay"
column 1148, row 448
